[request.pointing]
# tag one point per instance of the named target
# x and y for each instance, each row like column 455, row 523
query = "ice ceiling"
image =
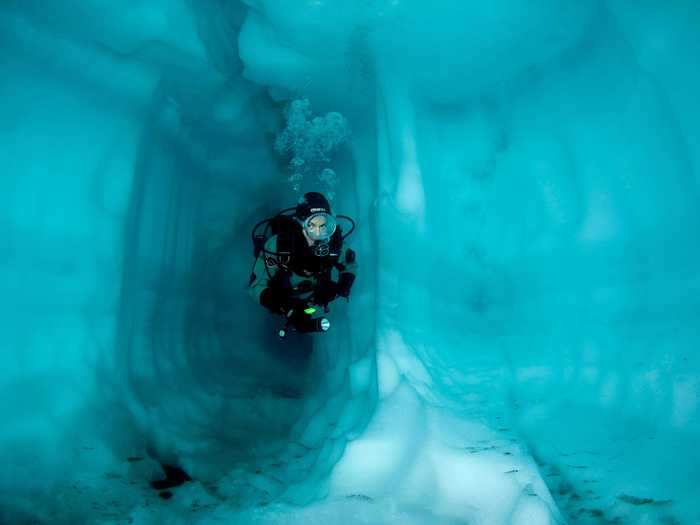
column 521, row 344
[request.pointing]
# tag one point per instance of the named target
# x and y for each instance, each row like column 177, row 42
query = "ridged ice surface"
column 520, row 346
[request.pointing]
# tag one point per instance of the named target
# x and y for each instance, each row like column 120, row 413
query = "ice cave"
column 520, row 346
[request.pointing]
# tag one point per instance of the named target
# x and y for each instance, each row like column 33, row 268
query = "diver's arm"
column 347, row 273
column 266, row 288
column 260, row 280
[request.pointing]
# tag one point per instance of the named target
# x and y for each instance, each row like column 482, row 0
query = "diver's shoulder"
column 271, row 242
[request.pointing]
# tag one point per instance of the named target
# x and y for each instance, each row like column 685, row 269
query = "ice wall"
column 519, row 346
column 517, row 153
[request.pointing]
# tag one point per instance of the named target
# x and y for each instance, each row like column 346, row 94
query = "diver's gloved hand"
column 325, row 292
column 279, row 302
column 298, row 315
column 296, row 307
column 272, row 300
column 345, row 282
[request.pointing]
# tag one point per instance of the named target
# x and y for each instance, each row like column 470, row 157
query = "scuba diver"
column 301, row 264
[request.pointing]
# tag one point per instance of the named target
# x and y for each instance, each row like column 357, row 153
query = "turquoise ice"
column 521, row 343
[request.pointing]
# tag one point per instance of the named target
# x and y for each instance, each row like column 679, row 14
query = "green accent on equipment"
column 309, row 310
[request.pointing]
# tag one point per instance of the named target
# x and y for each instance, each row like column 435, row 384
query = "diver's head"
column 314, row 216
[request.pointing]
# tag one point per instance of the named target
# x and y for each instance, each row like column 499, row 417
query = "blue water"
column 520, row 346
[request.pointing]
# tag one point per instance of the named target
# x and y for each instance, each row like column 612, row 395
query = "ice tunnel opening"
column 259, row 418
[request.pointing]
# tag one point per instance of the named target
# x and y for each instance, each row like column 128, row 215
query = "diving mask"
column 319, row 226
